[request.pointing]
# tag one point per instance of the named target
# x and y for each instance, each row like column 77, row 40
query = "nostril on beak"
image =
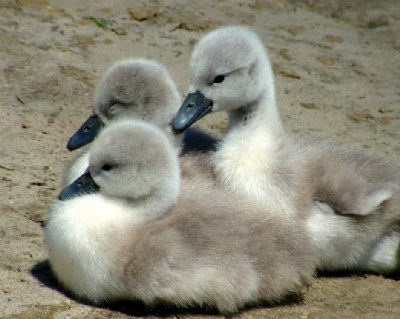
column 190, row 105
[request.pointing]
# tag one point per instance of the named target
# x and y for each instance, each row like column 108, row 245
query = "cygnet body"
column 133, row 89
column 332, row 188
column 138, row 232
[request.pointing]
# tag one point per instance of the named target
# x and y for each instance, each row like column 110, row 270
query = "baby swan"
column 230, row 71
column 137, row 89
column 134, row 89
column 320, row 181
column 130, row 229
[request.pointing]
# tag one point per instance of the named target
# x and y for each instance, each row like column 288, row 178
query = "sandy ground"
column 337, row 67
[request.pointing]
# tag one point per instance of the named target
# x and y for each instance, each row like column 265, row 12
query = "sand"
column 337, row 67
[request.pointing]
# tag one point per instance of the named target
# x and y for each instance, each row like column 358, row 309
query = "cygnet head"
column 229, row 70
column 133, row 162
column 131, row 89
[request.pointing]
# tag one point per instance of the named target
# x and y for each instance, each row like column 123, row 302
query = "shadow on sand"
column 42, row 272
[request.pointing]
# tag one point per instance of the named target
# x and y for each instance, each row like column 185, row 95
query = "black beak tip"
column 179, row 125
column 72, row 144
column 82, row 185
column 86, row 133
column 193, row 108
column 65, row 194
column 61, row 196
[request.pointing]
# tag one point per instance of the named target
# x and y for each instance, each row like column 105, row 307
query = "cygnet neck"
column 152, row 206
column 252, row 150
column 258, row 120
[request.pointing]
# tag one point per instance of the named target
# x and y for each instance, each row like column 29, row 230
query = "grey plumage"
column 143, row 90
column 211, row 247
column 349, row 198
column 137, row 89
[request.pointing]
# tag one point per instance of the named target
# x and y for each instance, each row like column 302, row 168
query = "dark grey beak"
column 86, row 133
column 81, row 186
column 195, row 106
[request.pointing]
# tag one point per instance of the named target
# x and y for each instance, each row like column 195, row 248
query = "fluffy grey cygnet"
column 134, row 89
column 139, row 232
column 350, row 198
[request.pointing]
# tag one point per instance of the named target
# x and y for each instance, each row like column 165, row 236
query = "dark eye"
column 106, row 167
column 219, row 78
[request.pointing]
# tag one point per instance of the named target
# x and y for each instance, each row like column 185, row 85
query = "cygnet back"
column 211, row 248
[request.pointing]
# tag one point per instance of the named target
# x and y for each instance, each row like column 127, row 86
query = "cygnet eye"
column 219, row 78
column 112, row 108
column 107, row 167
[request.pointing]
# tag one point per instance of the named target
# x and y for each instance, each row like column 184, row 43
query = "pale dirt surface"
column 337, row 66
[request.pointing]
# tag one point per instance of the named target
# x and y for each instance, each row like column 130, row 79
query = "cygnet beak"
column 193, row 108
column 81, row 186
column 86, row 133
